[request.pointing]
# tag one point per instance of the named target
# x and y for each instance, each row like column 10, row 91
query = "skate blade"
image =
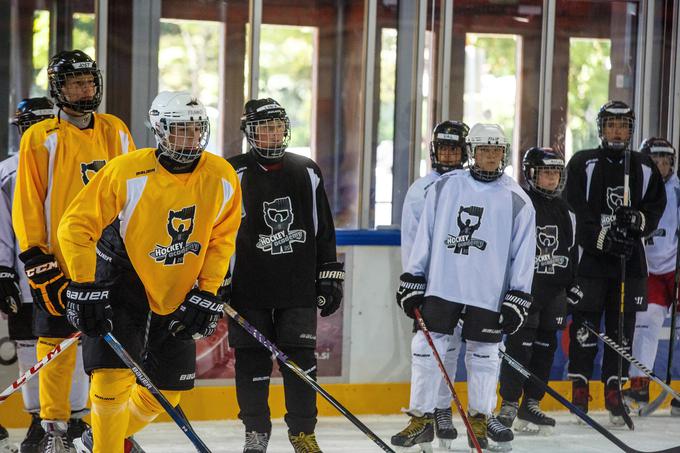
column 616, row 420
column 526, row 427
column 635, row 406
column 6, row 447
column 425, row 447
column 446, row 444
column 499, row 447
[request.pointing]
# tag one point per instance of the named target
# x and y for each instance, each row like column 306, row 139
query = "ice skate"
column 76, row 428
column 613, row 404
column 443, row 427
column 419, row 432
column 85, row 444
column 531, row 419
column 580, row 396
column 33, row 437
column 5, row 446
column 500, row 434
column 54, row 440
column 637, row 396
column 478, row 424
column 675, row 408
column 508, row 413
column 304, row 443
column 256, row 442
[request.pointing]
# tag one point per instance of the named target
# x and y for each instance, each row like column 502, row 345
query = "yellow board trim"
column 219, row 403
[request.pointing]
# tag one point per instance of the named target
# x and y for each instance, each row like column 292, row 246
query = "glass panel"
column 84, row 33
column 189, row 59
column 594, row 61
column 41, row 48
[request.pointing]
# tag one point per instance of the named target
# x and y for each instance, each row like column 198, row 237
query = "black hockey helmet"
column 31, row 111
column 260, row 112
column 615, row 110
column 73, row 63
column 656, row 146
column 536, row 159
column 448, row 133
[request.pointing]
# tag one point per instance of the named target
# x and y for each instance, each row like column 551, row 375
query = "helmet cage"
column 267, row 149
column 181, row 147
column 475, row 170
column 531, row 173
column 448, row 133
column 25, row 120
column 58, row 79
column 617, row 111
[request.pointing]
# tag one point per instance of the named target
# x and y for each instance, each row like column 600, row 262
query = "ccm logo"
column 40, row 269
column 78, row 295
column 205, row 303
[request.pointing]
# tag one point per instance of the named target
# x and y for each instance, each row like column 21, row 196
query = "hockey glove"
column 89, row 308
column 224, row 292
column 613, row 242
column 46, row 280
column 199, row 314
column 10, row 294
column 574, row 294
column 630, row 220
column 514, row 311
column 411, row 293
column 329, row 287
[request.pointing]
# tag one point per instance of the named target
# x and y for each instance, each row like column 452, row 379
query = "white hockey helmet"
column 487, row 134
column 180, row 125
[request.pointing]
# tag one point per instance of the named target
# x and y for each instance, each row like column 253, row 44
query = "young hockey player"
column 167, row 219
column 16, row 300
column 605, row 231
column 463, row 264
column 287, row 235
column 430, row 406
column 57, row 158
column 661, row 248
column 554, row 285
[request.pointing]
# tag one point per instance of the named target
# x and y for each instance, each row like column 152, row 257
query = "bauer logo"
column 180, row 226
column 469, row 220
column 89, row 169
column 278, row 215
column 547, row 242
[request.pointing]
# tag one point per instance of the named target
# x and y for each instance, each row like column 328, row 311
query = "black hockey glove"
column 613, row 241
column 224, row 292
column 574, row 294
column 10, row 293
column 629, row 220
column 46, row 280
column 199, row 314
column 411, row 293
column 514, row 311
column 89, row 308
column 329, row 290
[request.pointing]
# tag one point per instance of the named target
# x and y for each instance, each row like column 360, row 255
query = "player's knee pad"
column 79, row 388
column 482, row 357
column 421, row 351
column 252, row 365
column 482, row 362
column 651, row 319
column 144, row 406
column 110, row 391
column 305, row 358
column 26, row 358
column 545, row 342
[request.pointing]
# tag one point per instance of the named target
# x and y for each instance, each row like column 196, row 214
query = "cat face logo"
column 89, row 169
column 180, row 226
column 614, row 201
column 278, row 215
column 469, row 220
column 547, row 242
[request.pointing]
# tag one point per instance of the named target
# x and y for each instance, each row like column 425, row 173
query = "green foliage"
column 41, row 48
column 589, row 67
column 500, row 53
column 388, row 77
column 83, row 33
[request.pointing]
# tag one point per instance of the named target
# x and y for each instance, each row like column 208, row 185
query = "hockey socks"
column 55, row 404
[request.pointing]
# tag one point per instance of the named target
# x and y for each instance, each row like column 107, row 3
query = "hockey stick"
column 283, row 358
column 146, row 382
column 619, row 373
column 459, row 406
column 639, row 365
column 33, row 371
column 575, row 409
column 654, row 405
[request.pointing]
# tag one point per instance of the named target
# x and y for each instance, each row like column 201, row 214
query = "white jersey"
column 475, row 241
column 414, row 202
column 9, row 248
column 662, row 244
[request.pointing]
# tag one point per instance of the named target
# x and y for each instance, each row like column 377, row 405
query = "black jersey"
column 554, row 268
column 594, row 190
column 286, row 231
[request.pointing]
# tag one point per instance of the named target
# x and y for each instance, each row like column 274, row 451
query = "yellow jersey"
column 177, row 229
column 56, row 160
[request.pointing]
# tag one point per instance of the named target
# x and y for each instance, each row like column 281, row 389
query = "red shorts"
column 660, row 289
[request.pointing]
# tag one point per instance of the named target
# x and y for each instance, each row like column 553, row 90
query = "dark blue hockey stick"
column 283, row 358
column 146, row 382
column 582, row 415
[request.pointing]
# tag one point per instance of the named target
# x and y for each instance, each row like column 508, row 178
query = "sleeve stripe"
column 227, row 193
column 315, row 180
column 51, row 145
column 124, row 142
column 135, row 188
column 646, row 177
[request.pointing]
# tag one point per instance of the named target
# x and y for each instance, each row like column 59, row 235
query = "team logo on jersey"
column 180, row 226
column 278, row 215
column 614, row 201
column 547, row 243
column 658, row 233
column 469, row 220
column 88, row 170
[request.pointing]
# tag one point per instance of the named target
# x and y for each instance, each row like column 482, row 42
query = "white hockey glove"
column 514, row 311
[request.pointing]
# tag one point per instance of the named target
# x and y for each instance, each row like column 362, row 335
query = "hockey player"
column 554, row 285
column 287, row 234
column 661, row 249
column 57, row 158
column 605, row 231
column 430, row 406
column 473, row 257
column 19, row 306
column 172, row 215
